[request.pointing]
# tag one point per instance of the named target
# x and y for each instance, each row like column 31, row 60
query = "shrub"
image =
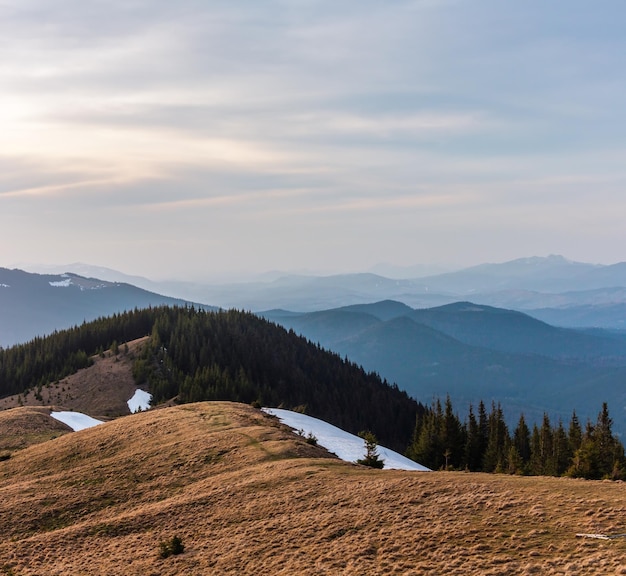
column 172, row 547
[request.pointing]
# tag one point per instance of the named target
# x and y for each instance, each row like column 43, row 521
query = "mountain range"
column 475, row 352
column 554, row 289
column 37, row 304
column 471, row 350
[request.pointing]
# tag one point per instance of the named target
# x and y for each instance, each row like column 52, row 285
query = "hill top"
column 246, row 496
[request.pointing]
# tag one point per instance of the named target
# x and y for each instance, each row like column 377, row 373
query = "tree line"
column 195, row 355
column 483, row 443
column 50, row 358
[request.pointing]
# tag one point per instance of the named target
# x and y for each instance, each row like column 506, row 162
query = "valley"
column 474, row 352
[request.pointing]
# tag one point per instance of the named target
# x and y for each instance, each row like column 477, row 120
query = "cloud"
column 313, row 115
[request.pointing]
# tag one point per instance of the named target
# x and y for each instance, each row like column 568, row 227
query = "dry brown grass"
column 101, row 390
column 248, row 497
column 23, row 427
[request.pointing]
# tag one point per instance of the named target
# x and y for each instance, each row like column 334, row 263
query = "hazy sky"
column 190, row 137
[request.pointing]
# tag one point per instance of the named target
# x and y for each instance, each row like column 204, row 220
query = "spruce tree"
column 498, row 441
column 472, row 453
column 371, row 457
column 574, row 434
column 452, row 440
column 521, row 443
column 562, row 452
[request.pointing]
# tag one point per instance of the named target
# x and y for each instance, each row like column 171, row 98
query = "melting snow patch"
column 139, row 401
column 61, row 283
column 346, row 446
column 75, row 420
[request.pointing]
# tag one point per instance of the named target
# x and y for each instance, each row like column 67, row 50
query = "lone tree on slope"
column 371, row 453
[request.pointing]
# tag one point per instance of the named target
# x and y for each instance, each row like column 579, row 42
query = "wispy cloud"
column 263, row 118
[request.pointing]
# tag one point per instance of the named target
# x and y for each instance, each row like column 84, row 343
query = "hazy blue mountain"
column 553, row 286
column 384, row 310
column 517, row 333
column 609, row 316
column 550, row 274
column 603, row 276
column 91, row 271
column 483, row 326
column 37, row 304
column 427, row 363
column 530, row 300
column 326, row 327
column 312, row 293
column 476, row 352
column 416, row 271
column 525, row 284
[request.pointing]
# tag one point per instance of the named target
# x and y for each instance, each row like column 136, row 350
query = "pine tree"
column 574, row 434
column 428, row 448
column 535, row 466
column 546, row 447
column 562, row 452
column 371, row 458
column 452, row 440
column 521, row 443
column 472, row 453
column 483, row 431
column 498, row 442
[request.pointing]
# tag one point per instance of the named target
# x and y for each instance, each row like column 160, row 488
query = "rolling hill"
column 188, row 355
column 246, row 496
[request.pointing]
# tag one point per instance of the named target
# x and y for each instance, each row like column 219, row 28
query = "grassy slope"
column 28, row 425
column 248, row 497
column 100, row 390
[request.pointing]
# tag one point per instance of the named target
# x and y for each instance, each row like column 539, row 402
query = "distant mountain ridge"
column 552, row 288
column 37, row 304
column 465, row 346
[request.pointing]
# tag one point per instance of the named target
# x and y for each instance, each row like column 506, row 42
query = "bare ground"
column 101, row 391
column 249, row 497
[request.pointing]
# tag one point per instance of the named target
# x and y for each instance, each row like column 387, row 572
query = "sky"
column 200, row 138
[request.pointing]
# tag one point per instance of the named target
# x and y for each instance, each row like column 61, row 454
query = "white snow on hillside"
column 61, row 283
column 75, row 420
column 139, row 401
column 346, row 446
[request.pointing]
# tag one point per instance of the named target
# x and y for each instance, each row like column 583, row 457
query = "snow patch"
column 4, row 286
column 61, row 283
column 346, row 446
column 140, row 401
column 75, row 420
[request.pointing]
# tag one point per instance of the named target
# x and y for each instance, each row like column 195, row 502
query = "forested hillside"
column 474, row 352
column 198, row 355
column 484, row 443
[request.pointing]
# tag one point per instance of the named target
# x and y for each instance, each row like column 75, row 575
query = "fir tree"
column 371, row 457
column 472, row 453
column 494, row 459
column 521, row 443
